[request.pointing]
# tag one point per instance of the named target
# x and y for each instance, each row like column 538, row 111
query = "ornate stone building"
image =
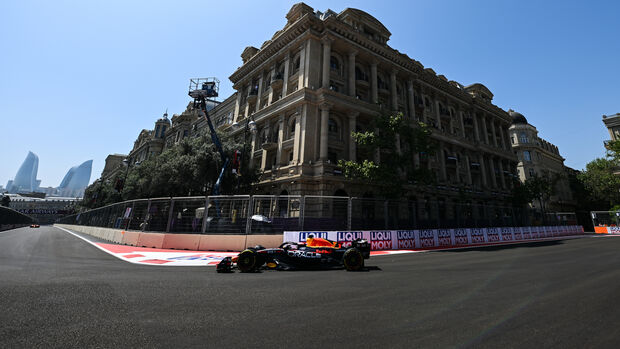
column 612, row 122
column 150, row 142
column 113, row 166
column 537, row 157
column 325, row 75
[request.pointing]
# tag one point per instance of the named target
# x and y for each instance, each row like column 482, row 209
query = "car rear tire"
column 353, row 260
column 247, row 261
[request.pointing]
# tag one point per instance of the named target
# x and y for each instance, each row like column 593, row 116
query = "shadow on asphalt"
column 504, row 247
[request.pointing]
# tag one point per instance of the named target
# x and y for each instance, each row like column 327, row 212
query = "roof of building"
column 517, row 118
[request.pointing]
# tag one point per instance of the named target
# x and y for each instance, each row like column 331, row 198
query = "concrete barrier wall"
column 194, row 242
column 181, row 241
column 4, row 227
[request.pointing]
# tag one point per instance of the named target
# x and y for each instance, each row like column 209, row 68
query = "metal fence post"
column 170, row 212
column 302, row 212
column 205, row 215
column 146, row 216
column 349, row 213
column 248, row 223
column 133, row 206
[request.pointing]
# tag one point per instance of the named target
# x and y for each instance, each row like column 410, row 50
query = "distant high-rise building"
column 76, row 180
column 26, row 178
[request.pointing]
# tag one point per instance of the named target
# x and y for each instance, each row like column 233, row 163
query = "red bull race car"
column 315, row 253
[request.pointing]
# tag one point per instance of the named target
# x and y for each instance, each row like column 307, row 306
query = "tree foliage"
column 189, row 168
column 396, row 142
column 601, row 181
column 539, row 188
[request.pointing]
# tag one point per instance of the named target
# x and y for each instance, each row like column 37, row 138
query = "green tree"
column 541, row 188
column 600, row 180
column 613, row 151
column 189, row 168
column 396, row 141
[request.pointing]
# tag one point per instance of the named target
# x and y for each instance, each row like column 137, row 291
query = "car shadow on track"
column 365, row 269
column 504, row 247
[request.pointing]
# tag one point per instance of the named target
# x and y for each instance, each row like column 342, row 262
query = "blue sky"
column 80, row 79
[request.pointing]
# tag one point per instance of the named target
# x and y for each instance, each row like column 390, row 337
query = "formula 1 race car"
column 315, row 253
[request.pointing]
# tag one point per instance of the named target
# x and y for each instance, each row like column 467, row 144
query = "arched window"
column 291, row 128
column 334, row 64
column 332, row 126
column 427, row 103
column 360, row 74
column 523, row 137
column 275, row 134
column 400, row 91
column 382, row 82
column 527, row 156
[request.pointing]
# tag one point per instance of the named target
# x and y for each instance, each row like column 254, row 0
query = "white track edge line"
column 99, row 247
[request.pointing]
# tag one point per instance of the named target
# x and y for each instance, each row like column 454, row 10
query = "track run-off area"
column 58, row 290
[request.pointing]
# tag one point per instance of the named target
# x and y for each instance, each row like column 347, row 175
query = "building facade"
column 612, row 122
column 325, row 75
column 113, row 166
column 537, row 157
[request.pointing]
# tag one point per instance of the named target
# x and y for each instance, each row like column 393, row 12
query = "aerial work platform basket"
column 203, row 88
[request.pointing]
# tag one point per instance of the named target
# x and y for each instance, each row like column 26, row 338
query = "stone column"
column 492, row 167
column 352, row 125
column 442, row 162
column 324, row 132
column 302, row 67
column 457, row 170
column 468, row 169
column 280, row 139
column 352, row 73
column 246, row 112
column 393, row 92
column 237, row 105
column 476, row 129
column 287, row 67
column 297, row 140
column 271, row 76
column 374, row 92
column 411, row 100
column 327, row 54
column 462, row 124
column 502, row 130
column 484, row 130
column 501, row 174
column 493, row 133
column 483, row 171
column 260, row 92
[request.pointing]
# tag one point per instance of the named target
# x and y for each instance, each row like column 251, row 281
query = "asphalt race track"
column 58, row 291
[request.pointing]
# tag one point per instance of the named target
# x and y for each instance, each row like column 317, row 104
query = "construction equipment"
column 202, row 89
